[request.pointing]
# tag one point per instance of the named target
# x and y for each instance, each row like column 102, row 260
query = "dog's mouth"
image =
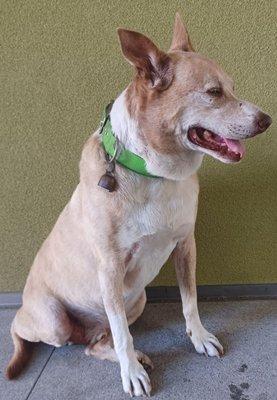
column 229, row 150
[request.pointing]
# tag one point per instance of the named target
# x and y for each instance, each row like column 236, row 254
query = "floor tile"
column 247, row 372
column 20, row 388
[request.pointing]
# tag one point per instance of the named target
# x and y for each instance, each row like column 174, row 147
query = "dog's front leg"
column 135, row 379
column 184, row 257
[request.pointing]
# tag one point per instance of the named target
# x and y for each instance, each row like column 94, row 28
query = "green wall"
column 61, row 63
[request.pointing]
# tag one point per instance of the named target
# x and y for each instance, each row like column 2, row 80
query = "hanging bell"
column 108, row 182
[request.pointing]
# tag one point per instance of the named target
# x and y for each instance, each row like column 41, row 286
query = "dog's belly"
column 147, row 257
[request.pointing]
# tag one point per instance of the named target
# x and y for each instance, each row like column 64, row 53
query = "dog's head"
column 185, row 101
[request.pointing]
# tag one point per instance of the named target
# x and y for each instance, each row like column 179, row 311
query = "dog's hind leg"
column 46, row 321
column 51, row 322
column 104, row 350
column 184, row 257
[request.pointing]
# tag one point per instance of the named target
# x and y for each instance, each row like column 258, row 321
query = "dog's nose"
column 264, row 122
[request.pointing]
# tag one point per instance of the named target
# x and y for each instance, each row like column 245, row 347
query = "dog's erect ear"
column 180, row 40
column 152, row 64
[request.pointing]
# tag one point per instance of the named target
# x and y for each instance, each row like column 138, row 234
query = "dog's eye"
column 215, row 92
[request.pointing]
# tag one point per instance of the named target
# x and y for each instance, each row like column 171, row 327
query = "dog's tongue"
column 235, row 145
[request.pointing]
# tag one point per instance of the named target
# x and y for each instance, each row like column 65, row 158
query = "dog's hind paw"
column 144, row 360
column 205, row 342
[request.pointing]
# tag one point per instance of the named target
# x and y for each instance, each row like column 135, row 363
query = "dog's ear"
column 180, row 40
column 153, row 65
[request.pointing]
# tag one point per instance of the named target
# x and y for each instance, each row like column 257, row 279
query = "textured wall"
column 61, row 63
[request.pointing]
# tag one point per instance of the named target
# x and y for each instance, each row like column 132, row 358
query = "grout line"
column 39, row 375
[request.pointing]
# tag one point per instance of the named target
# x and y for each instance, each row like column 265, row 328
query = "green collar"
column 124, row 157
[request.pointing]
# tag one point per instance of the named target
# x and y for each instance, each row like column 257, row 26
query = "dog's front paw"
column 135, row 379
column 205, row 342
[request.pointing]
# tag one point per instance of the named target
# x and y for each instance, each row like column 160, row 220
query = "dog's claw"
column 220, row 350
column 147, row 367
column 205, row 343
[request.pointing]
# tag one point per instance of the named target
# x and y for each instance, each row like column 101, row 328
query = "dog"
column 87, row 283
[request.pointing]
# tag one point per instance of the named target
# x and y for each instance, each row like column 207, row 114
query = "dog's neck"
column 126, row 129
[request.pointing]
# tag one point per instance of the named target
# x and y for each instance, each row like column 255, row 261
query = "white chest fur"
column 164, row 213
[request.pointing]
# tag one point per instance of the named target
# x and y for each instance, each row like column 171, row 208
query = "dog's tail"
column 22, row 353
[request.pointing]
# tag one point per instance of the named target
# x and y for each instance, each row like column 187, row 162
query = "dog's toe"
column 135, row 380
column 206, row 343
column 144, row 360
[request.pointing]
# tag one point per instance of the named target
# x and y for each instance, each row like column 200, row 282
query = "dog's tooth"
column 194, row 134
column 207, row 135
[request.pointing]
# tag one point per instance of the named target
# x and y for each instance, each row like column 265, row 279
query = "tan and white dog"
column 87, row 283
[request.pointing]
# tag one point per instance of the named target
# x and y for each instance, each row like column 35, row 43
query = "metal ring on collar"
column 115, row 155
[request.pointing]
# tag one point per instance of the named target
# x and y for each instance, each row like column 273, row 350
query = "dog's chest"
column 154, row 227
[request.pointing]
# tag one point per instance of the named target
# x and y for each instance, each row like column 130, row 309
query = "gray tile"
column 247, row 372
column 247, row 330
column 71, row 375
column 20, row 388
